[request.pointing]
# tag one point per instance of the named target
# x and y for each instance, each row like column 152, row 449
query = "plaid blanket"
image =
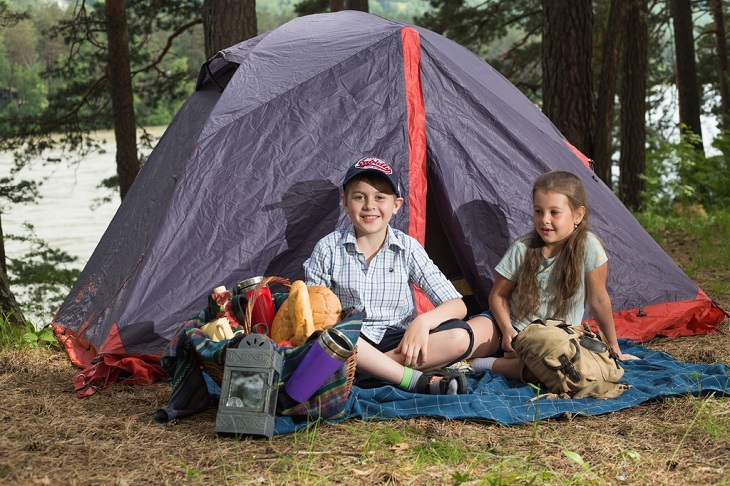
column 193, row 390
column 492, row 397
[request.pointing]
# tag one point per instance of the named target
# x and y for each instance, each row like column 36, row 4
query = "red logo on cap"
column 374, row 163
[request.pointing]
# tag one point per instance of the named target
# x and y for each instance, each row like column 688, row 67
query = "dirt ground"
column 52, row 437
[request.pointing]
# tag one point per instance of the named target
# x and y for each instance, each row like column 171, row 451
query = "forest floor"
column 50, row 436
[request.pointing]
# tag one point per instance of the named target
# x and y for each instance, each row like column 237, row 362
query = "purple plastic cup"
column 326, row 355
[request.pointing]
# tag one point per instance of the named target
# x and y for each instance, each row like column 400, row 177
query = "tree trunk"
column 228, row 22
column 337, row 5
column 120, row 78
column 361, row 5
column 687, row 85
column 602, row 139
column 8, row 305
column 3, row 263
column 632, row 161
column 567, row 72
column 721, row 45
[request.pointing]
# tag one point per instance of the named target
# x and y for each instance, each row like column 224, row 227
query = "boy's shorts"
column 392, row 337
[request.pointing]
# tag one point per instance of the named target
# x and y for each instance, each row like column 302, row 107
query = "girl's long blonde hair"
column 568, row 270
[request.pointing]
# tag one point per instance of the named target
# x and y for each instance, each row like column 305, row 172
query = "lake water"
column 69, row 215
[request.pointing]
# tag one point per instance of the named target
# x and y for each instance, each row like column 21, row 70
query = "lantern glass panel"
column 247, row 389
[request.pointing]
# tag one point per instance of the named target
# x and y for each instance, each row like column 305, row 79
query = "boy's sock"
column 439, row 382
column 409, row 380
column 483, row 364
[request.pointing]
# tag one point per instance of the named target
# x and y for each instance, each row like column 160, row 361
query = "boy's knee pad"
column 458, row 324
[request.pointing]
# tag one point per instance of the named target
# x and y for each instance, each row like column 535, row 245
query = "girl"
column 549, row 273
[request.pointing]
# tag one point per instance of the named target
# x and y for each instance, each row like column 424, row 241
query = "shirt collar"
column 391, row 239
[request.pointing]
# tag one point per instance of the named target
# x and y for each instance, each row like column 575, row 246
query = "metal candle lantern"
column 249, row 388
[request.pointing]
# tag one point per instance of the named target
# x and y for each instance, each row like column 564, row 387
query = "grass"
column 51, row 436
column 10, row 336
column 699, row 244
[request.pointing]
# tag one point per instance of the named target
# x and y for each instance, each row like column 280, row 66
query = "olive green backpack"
column 569, row 361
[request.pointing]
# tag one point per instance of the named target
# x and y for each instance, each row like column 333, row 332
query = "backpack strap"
column 566, row 363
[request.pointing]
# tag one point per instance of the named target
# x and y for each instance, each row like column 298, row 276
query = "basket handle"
column 254, row 295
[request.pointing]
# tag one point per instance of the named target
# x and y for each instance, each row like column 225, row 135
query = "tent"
column 247, row 176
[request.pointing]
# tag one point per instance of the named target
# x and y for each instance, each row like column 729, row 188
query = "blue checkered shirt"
column 383, row 289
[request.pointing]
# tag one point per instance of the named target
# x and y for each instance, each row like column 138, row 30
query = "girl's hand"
column 414, row 345
column 626, row 357
column 507, row 338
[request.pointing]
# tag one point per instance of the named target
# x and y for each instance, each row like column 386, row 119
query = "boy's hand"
column 414, row 345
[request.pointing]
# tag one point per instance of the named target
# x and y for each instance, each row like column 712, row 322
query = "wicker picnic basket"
column 215, row 370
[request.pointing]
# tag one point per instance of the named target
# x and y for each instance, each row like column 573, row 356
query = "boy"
column 371, row 266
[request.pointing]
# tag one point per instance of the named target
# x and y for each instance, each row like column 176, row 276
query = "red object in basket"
column 263, row 311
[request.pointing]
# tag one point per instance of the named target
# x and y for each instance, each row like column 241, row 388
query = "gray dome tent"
column 247, row 178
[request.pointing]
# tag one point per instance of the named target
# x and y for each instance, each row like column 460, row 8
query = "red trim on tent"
column 79, row 350
column 586, row 161
column 417, row 182
column 671, row 319
column 110, row 364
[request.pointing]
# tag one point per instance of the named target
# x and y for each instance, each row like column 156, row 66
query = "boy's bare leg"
column 373, row 362
column 443, row 348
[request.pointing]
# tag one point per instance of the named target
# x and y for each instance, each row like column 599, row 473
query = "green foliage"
column 676, row 172
column 447, row 452
column 505, row 34
column 575, row 457
column 11, row 336
column 42, row 277
column 65, row 94
column 10, row 16
column 403, row 10
column 665, row 160
column 35, row 338
column 5, row 67
column 17, row 192
column 14, row 337
column 707, row 235
column 630, row 454
column 460, row 478
column 711, row 419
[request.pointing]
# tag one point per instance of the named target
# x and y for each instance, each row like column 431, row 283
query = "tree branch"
column 167, row 47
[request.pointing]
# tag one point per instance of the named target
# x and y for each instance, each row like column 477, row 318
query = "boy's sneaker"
column 464, row 366
column 442, row 382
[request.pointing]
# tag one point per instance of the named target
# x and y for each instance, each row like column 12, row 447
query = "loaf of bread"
column 300, row 313
column 316, row 302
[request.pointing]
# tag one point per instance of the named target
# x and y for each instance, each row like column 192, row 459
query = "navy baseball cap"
column 375, row 166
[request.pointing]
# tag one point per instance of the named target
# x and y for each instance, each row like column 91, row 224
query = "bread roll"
column 326, row 307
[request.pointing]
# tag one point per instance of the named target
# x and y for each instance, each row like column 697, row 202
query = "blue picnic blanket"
column 492, row 397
